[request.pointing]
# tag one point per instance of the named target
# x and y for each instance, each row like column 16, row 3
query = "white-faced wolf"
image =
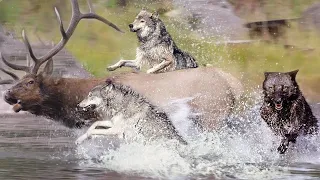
column 127, row 114
column 157, row 49
column 285, row 109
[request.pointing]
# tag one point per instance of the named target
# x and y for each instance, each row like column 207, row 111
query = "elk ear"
column 48, row 69
column 155, row 15
column 293, row 74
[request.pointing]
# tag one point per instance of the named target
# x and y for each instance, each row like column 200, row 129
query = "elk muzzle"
column 9, row 98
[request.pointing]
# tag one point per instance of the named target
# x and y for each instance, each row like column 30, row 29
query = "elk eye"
column 31, row 82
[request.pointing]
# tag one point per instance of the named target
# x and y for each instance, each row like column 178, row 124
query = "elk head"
column 28, row 92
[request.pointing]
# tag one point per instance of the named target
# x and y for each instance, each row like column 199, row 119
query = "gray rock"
column 311, row 17
column 211, row 18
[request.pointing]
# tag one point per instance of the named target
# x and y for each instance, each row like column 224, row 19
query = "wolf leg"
column 283, row 146
column 160, row 66
column 124, row 63
column 90, row 131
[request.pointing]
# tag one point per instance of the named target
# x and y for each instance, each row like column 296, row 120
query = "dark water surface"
column 36, row 148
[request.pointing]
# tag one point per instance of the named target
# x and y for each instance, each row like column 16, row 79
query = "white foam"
column 244, row 148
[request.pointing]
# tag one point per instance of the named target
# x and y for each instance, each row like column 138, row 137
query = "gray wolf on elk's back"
column 126, row 113
column 57, row 98
column 285, row 109
column 157, row 49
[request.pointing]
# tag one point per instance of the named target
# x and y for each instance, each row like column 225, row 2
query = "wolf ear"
column 155, row 15
column 293, row 74
column 266, row 74
column 108, row 81
column 109, row 84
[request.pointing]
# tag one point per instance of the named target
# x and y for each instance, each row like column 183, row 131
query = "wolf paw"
column 282, row 148
column 150, row 71
column 112, row 68
column 81, row 139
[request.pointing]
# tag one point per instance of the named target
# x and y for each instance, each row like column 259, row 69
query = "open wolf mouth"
column 90, row 107
column 134, row 30
column 278, row 106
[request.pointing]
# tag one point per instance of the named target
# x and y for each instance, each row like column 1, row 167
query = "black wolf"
column 157, row 49
column 285, row 109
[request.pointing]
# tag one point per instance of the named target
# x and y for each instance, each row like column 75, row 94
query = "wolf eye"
column 31, row 82
column 142, row 21
column 271, row 88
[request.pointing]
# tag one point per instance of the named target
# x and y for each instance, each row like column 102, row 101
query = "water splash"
column 244, row 148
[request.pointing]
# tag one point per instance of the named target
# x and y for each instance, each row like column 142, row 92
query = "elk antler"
column 8, row 81
column 75, row 19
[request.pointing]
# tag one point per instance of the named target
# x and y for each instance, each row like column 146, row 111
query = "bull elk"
column 41, row 94
column 214, row 92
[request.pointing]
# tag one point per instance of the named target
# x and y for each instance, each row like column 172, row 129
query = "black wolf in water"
column 157, row 49
column 285, row 109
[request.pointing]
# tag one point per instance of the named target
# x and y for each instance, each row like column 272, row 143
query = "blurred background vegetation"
column 96, row 46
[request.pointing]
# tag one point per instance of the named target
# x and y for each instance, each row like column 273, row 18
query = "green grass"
column 96, row 46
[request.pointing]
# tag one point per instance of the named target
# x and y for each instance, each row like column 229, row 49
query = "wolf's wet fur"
column 285, row 109
column 126, row 113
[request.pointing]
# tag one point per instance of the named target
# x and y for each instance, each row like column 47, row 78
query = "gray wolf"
column 126, row 114
column 157, row 49
column 285, row 109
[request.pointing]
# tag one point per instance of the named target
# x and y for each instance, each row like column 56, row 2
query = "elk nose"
column 131, row 26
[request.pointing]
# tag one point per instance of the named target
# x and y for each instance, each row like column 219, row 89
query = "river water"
column 37, row 148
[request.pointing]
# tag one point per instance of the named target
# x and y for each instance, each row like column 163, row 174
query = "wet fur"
column 296, row 117
column 140, row 116
column 157, row 48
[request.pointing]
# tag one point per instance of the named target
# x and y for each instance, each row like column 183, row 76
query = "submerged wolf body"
column 157, row 49
column 126, row 113
column 285, row 109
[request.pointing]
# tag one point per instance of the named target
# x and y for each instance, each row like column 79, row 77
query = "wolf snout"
column 89, row 107
column 278, row 104
column 278, row 101
column 131, row 28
